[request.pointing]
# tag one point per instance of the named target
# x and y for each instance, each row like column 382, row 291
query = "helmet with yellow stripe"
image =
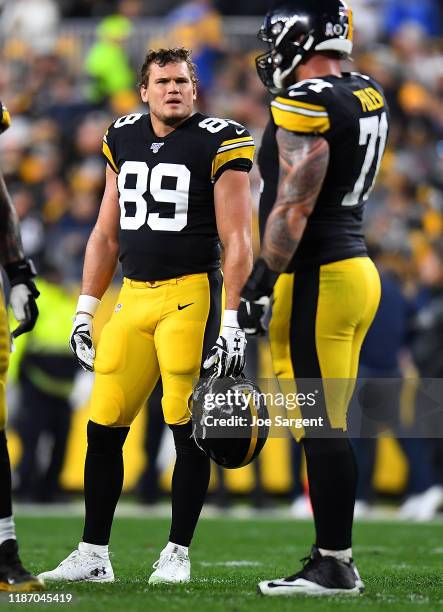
column 230, row 420
column 296, row 29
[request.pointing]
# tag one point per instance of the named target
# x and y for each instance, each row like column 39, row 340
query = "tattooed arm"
column 303, row 165
column 10, row 241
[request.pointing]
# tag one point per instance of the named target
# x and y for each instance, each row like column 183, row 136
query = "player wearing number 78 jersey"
column 177, row 189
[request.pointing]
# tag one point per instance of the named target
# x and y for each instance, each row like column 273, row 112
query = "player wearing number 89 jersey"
column 177, row 188
column 166, row 191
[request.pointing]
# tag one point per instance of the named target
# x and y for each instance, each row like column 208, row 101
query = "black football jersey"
column 166, row 191
column 352, row 115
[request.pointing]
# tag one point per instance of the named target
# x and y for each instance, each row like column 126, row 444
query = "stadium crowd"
column 63, row 91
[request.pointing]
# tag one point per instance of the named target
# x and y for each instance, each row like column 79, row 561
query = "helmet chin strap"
column 281, row 75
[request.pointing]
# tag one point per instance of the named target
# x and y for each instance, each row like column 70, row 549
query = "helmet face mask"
column 295, row 31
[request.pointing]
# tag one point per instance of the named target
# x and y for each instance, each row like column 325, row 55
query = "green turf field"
column 402, row 565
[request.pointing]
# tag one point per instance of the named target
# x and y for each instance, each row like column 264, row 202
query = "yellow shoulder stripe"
column 236, row 140
column 246, row 152
column 297, row 104
column 300, row 123
column 107, row 153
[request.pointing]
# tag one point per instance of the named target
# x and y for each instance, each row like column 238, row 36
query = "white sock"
column 7, row 529
column 102, row 551
column 341, row 555
column 171, row 547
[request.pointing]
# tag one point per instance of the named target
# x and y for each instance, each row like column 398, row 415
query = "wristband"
column 230, row 318
column 20, row 271
column 261, row 281
column 87, row 304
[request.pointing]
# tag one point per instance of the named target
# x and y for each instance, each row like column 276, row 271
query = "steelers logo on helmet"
column 297, row 28
column 230, row 420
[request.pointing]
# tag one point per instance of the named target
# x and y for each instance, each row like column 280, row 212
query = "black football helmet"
column 297, row 28
column 228, row 418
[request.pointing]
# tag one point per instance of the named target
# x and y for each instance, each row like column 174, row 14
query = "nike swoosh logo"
column 239, row 132
column 185, row 306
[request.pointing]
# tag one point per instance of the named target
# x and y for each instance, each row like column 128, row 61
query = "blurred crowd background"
column 70, row 67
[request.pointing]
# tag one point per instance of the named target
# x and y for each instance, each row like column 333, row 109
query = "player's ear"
column 144, row 93
column 194, row 92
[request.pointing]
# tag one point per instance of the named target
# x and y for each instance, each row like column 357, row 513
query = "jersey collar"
column 152, row 136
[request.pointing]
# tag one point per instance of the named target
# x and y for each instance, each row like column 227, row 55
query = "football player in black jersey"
column 177, row 186
column 319, row 159
column 20, row 272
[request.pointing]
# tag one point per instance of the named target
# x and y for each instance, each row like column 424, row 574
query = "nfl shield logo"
column 156, row 146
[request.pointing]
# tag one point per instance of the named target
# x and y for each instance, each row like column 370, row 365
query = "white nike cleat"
column 319, row 576
column 82, row 566
column 172, row 567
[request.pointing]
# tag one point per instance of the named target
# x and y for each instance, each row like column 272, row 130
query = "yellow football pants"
column 4, row 358
column 161, row 328
column 319, row 320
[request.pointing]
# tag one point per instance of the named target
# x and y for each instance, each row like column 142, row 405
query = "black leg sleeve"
column 332, row 475
column 103, row 480
column 190, row 482
column 5, row 478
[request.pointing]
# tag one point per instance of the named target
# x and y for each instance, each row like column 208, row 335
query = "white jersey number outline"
column 135, row 195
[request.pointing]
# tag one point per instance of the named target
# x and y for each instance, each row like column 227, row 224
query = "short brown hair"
column 167, row 56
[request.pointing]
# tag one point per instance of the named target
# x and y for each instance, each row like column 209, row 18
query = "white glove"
column 24, row 307
column 81, row 334
column 23, row 294
column 227, row 356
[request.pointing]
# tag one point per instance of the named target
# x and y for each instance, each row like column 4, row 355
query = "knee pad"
column 106, row 440
column 107, row 401
column 176, row 408
column 184, row 442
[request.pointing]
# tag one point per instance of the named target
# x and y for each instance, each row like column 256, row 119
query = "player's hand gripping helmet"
column 296, row 29
column 228, row 420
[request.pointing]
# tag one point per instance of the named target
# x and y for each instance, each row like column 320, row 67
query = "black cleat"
column 319, row 576
column 13, row 576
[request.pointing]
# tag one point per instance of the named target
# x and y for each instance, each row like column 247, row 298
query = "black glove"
column 23, row 294
column 255, row 298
